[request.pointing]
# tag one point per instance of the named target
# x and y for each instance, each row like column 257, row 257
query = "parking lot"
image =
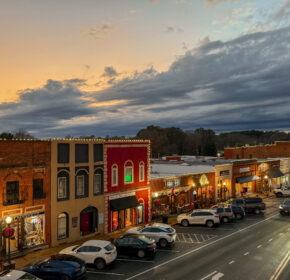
column 188, row 239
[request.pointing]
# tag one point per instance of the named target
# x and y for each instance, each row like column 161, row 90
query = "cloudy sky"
column 112, row 67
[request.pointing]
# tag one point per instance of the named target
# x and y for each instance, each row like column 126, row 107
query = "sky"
column 113, row 67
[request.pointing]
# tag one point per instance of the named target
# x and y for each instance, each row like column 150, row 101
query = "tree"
column 22, row 134
column 6, row 135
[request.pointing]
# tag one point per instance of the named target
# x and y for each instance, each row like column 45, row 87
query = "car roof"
column 204, row 210
column 12, row 274
column 158, row 225
column 96, row 242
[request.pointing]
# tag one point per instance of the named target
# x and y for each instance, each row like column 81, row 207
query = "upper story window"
column 63, row 153
column 98, row 181
column 128, row 170
column 12, row 194
column 115, row 175
column 81, row 153
column 82, row 186
column 141, row 171
column 98, row 152
column 63, row 185
column 38, row 189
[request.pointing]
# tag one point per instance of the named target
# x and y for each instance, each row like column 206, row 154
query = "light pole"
column 8, row 221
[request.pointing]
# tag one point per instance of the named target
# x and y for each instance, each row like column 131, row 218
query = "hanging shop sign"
column 173, row 183
column 245, row 169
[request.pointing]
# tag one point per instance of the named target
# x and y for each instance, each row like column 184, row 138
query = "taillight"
column 170, row 234
column 216, row 216
column 108, row 253
column 151, row 246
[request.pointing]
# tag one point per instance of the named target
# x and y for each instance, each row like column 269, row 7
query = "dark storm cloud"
column 239, row 84
column 110, row 72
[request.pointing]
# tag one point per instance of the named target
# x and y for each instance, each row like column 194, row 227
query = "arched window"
column 82, row 184
column 141, row 172
column 98, row 181
column 63, row 185
column 129, row 172
column 62, row 225
column 114, row 175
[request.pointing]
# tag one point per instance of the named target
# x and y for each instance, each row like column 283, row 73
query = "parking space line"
column 107, row 273
column 270, row 239
column 231, row 262
column 190, row 238
column 132, row 260
column 195, row 235
column 202, row 237
column 171, row 251
column 259, row 246
column 246, row 254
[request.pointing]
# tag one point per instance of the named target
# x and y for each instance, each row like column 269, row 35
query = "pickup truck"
column 254, row 205
column 283, row 191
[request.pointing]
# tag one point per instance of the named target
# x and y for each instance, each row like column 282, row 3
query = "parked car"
column 56, row 269
column 239, row 212
column 97, row 252
column 283, row 191
column 285, row 207
column 207, row 217
column 17, row 275
column 70, row 258
column 238, row 202
column 254, row 205
column 225, row 212
column 163, row 234
column 135, row 244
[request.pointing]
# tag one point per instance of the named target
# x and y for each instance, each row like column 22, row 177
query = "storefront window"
column 34, row 229
column 140, row 214
column 115, row 220
column 130, row 216
column 62, row 226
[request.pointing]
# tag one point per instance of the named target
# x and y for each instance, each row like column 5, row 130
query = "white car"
column 97, row 252
column 283, row 191
column 163, row 234
column 207, row 217
column 17, row 275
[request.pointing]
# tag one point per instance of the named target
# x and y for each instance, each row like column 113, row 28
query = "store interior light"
column 225, row 183
column 266, row 177
column 156, row 194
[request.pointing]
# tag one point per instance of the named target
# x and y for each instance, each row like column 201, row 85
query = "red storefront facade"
column 126, row 183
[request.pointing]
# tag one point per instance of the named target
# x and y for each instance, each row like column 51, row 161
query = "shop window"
column 63, row 186
column 38, row 189
column 115, row 175
column 128, row 170
column 12, row 194
column 98, row 182
column 250, row 156
column 98, row 152
column 141, row 172
column 81, row 153
column 81, row 188
column 115, row 220
column 237, row 156
column 140, row 211
column 62, row 226
column 63, row 153
column 34, row 226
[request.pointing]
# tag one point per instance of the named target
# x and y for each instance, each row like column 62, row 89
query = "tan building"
column 223, row 182
column 77, row 189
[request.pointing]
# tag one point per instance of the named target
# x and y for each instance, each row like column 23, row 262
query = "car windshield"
column 170, row 229
column 109, row 247
column 287, row 202
column 76, row 247
column 144, row 239
column 140, row 228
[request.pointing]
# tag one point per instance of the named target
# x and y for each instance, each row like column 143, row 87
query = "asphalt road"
column 257, row 247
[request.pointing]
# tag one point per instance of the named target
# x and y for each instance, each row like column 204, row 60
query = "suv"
column 254, row 205
column 239, row 212
column 283, row 191
column 225, row 212
column 285, row 207
column 238, row 202
column 163, row 234
column 207, row 217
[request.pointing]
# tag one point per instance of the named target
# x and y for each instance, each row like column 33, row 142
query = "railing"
column 39, row 195
column 11, row 199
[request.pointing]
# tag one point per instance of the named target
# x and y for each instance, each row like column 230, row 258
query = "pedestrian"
column 191, row 206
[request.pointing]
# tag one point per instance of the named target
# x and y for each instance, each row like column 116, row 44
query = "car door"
column 155, row 234
column 84, row 253
column 147, row 231
column 47, row 271
column 134, row 245
column 122, row 246
column 193, row 218
column 92, row 252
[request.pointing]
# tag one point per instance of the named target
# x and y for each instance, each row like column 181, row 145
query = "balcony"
column 15, row 198
column 39, row 195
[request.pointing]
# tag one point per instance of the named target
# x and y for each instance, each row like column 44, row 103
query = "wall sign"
column 245, row 169
column 224, row 172
column 74, row 222
column 101, row 218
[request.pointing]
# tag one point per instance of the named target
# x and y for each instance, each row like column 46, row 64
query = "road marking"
column 270, row 239
column 108, row 273
column 199, row 248
column 209, row 275
column 259, row 246
column 202, row 238
column 195, row 235
column 190, row 238
column 231, row 262
column 281, row 267
column 132, row 260
column 281, row 233
column 246, row 254
column 171, row 251
column 217, row 276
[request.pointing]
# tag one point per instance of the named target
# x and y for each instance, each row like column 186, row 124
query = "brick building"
column 25, row 192
column 279, row 149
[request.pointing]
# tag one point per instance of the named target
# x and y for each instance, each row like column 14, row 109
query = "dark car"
column 56, row 269
column 254, row 205
column 70, row 258
column 285, row 207
column 136, row 245
column 238, row 202
column 239, row 212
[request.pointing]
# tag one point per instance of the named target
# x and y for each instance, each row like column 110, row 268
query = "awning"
column 123, row 203
column 247, row 179
column 275, row 174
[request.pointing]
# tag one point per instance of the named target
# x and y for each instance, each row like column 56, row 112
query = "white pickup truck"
column 283, row 191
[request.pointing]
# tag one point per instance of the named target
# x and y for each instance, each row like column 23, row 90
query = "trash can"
column 164, row 219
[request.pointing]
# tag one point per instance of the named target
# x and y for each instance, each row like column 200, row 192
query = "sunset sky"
column 113, row 67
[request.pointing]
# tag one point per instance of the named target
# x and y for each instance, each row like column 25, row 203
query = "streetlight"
column 8, row 232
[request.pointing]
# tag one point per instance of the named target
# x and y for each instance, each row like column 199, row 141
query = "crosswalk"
column 193, row 237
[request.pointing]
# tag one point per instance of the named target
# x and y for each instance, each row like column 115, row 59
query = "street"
column 254, row 248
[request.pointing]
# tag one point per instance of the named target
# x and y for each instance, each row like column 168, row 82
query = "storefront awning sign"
column 247, row 179
column 275, row 174
column 124, row 203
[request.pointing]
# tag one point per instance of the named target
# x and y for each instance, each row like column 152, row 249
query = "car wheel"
column 99, row 264
column 163, row 242
column 239, row 216
column 64, row 277
column 225, row 220
column 184, row 223
column 257, row 211
column 141, row 254
column 282, row 213
column 209, row 224
column 279, row 194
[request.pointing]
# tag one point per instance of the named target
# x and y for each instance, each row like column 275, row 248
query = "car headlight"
column 280, row 207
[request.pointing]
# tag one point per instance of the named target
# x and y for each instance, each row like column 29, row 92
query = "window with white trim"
column 114, row 175
column 141, row 172
column 128, row 172
column 98, row 182
column 61, row 188
column 80, row 185
column 62, row 226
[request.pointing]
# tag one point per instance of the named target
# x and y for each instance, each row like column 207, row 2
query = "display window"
column 130, row 216
column 115, row 220
column 140, row 210
column 34, row 230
